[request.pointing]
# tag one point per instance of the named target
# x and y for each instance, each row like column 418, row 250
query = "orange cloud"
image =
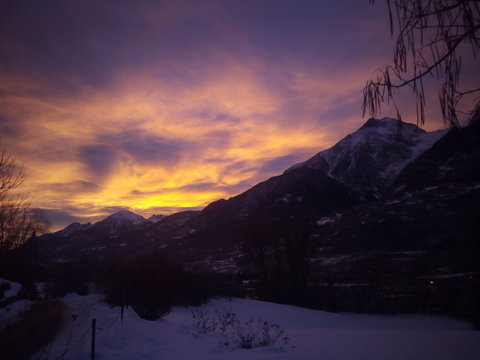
column 141, row 144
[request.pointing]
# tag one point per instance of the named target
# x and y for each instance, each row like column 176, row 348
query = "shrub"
column 248, row 335
column 151, row 285
column 226, row 320
column 150, row 312
column 253, row 334
column 57, row 289
column 203, row 323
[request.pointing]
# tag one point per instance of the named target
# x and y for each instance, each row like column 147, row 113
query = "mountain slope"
column 118, row 223
column 300, row 190
column 455, row 158
column 368, row 160
column 106, row 236
column 72, row 228
column 360, row 167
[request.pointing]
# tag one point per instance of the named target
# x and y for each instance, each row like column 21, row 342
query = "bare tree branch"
column 17, row 221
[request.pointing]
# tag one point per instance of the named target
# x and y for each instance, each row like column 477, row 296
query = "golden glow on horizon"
column 94, row 151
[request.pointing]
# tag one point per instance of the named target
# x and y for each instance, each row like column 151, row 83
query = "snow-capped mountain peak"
column 128, row 216
column 369, row 159
column 119, row 222
column 74, row 227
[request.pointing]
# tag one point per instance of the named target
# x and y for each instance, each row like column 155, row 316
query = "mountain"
column 118, row 223
column 156, row 218
column 455, row 158
column 300, row 190
column 104, row 237
column 369, row 160
column 389, row 191
column 361, row 167
column 72, row 228
column 368, row 192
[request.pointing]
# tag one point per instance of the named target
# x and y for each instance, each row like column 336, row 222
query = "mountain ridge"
column 383, row 146
column 335, row 181
column 330, row 161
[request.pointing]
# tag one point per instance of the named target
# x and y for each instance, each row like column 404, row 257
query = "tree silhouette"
column 433, row 37
column 17, row 221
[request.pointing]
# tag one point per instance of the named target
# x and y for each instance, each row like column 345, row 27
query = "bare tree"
column 433, row 37
column 11, row 175
column 17, row 221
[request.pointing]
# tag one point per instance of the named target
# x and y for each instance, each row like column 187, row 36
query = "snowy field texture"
column 313, row 335
column 10, row 312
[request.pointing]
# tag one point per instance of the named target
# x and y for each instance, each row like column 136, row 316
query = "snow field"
column 313, row 335
column 9, row 313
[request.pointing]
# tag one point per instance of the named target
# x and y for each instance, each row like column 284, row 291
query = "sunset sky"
column 163, row 106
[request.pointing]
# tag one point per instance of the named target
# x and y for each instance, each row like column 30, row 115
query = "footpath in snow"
column 313, row 335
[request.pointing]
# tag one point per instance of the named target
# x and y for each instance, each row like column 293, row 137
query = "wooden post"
column 92, row 355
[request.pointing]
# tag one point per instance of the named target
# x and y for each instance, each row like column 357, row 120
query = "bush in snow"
column 204, row 323
column 247, row 335
column 152, row 284
column 258, row 333
column 226, row 319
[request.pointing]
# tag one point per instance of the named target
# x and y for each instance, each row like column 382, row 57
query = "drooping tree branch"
column 433, row 37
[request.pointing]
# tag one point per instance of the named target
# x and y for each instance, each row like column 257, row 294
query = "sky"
column 165, row 106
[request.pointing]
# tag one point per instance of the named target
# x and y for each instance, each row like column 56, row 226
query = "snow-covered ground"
column 9, row 313
column 313, row 335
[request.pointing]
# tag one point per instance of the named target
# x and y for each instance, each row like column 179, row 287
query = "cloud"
column 99, row 159
column 144, row 144
column 145, row 148
column 60, row 218
column 9, row 128
column 66, row 188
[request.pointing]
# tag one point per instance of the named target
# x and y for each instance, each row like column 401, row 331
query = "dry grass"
column 36, row 328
